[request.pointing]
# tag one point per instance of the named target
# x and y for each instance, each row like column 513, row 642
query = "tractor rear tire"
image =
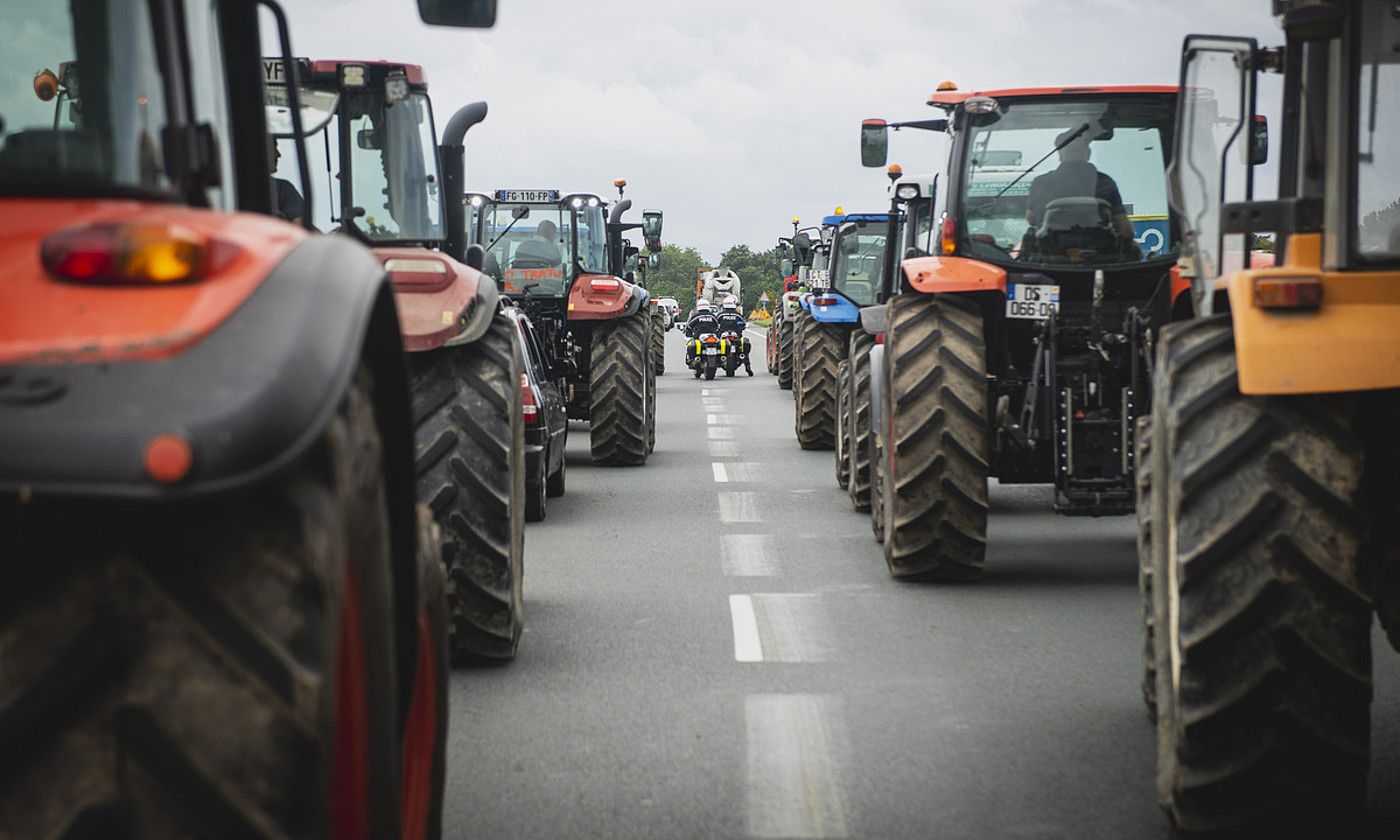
column 858, row 420
column 425, row 730
column 1262, row 619
column 821, row 349
column 470, row 450
column 843, row 436
column 658, row 342
column 1142, row 464
column 770, row 346
column 785, row 351
column 183, row 669
column 935, row 480
column 651, row 411
column 619, row 432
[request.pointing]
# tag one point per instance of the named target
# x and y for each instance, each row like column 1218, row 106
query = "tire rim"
column 350, row 773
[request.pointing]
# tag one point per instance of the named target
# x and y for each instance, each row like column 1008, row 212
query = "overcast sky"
column 733, row 117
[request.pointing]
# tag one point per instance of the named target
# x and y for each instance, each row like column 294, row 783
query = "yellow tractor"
column 1270, row 518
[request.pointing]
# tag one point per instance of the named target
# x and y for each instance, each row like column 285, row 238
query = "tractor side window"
column 860, row 255
column 1378, row 122
column 592, row 240
column 82, row 100
column 209, row 94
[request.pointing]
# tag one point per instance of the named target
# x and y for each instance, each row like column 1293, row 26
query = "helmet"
column 730, row 304
column 702, row 305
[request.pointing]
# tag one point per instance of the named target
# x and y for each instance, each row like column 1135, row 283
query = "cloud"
column 735, row 116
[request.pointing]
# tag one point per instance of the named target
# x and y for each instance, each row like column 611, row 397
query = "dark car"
column 546, row 421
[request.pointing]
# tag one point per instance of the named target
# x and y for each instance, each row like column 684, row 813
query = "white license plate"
column 1032, row 300
column 711, row 351
column 528, row 196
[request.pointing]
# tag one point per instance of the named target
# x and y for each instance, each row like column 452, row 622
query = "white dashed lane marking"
column 747, row 646
column 721, row 474
column 796, row 744
column 747, row 555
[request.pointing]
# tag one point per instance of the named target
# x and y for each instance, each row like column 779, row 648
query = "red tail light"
column 879, row 338
column 112, row 252
column 530, row 404
column 709, row 339
column 824, row 300
column 948, row 237
column 609, row 284
column 1288, row 292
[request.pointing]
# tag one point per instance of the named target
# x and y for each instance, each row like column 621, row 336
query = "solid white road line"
column 737, row 506
column 721, row 476
column 747, row 555
column 795, row 747
column 747, row 646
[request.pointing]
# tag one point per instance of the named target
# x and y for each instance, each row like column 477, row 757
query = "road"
column 713, row 648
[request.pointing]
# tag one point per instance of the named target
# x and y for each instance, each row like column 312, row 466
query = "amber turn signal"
column 111, row 252
column 45, row 85
column 1288, row 292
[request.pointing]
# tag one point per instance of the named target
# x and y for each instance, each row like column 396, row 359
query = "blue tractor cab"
column 854, row 267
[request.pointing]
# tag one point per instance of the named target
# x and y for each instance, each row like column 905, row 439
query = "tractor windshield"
column 859, row 259
column 82, row 103
column 1068, row 182
column 530, row 247
column 394, row 181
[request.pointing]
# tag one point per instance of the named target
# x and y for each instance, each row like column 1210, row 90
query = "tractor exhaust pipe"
column 454, row 177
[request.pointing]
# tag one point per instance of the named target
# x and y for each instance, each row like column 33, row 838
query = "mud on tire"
column 469, row 444
column 1262, row 642
column 820, row 349
column 858, row 420
column 619, row 432
column 935, row 468
column 172, row 670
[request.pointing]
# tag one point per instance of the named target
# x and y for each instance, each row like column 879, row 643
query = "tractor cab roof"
column 836, row 221
column 352, row 73
column 533, row 196
column 949, row 100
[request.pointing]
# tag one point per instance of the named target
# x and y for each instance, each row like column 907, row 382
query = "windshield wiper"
column 1058, row 146
column 504, row 232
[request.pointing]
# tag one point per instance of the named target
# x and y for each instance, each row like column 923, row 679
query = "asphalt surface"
column 713, row 648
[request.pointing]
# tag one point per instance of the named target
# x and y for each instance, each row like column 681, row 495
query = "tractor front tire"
column 785, row 360
column 858, row 422
column 820, row 349
column 1262, row 621
column 1142, row 465
column 470, row 449
column 843, row 428
column 658, row 342
column 935, row 479
column 620, row 426
column 209, row 668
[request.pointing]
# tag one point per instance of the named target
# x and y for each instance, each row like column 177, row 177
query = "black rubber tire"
column 770, row 347
column 843, row 438
column 470, row 449
column 536, row 507
column 1142, row 464
column 555, row 485
column 821, row 349
column 935, row 479
column 618, row 434
column 658, row 342
column 1263, row 625
column 709, row 367
column 432, row 605
column 877, row 489
column 171, row 670
column 785, row 360
column 651, row 411
column 858, row 420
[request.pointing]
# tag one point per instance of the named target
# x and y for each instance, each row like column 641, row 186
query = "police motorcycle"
column 733, row 344
column 702, row 353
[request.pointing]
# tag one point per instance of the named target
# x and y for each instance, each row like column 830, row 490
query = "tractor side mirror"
column 1259, row 141
column 474, row 14
column 785, row 266
column 629, row 258
column 651, row 229
column 520, row 212
column 654, row 259
column 874, row 142
column 368, row 138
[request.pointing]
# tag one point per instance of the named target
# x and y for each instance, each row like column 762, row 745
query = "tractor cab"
column 538, row 242
column 913, row 196
column 857, row 258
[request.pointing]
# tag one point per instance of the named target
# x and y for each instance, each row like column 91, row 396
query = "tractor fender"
column 249, row 399
column 441, row 302
column 873, row 319
column 843, row 311
column 935, row 275
column 601, row 297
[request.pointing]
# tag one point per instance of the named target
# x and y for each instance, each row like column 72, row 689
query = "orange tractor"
column 222, row 613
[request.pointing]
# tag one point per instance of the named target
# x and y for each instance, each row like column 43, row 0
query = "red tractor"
column 220, row 613
column 563, row 263
column 384, row 185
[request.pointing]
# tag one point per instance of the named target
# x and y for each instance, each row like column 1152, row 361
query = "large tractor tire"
column 470, row 448
column 858, row 422
column 822, row 348
column 425, row 725
column 1262, row 623
column 770, row 346
column 651, row 411
column 785, row 349
column 619, row 432
column 1142, row 476
column 843, row 428
column 219, row 668
column 935, row 467
column 658, row 342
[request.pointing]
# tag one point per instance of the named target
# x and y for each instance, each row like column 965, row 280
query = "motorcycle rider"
column 702, row 320
column 731, row 321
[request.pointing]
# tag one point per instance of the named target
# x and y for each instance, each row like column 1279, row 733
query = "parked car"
column 546, row 420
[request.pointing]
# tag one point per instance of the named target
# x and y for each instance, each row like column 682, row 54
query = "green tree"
column 675, row 277
column 758, row 272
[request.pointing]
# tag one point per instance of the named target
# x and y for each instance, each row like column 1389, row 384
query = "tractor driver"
column 542, row 246
column 1076, row 177
column 289, row 204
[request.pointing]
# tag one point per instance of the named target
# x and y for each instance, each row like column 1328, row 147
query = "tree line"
column 758, row 273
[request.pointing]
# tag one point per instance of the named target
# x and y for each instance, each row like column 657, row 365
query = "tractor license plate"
column 529, row 196
column 1030, row 300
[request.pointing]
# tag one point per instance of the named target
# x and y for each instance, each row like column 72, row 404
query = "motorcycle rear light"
column 1288, row 292
column 948, row 237
column 709, row 339
column 112, row 252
